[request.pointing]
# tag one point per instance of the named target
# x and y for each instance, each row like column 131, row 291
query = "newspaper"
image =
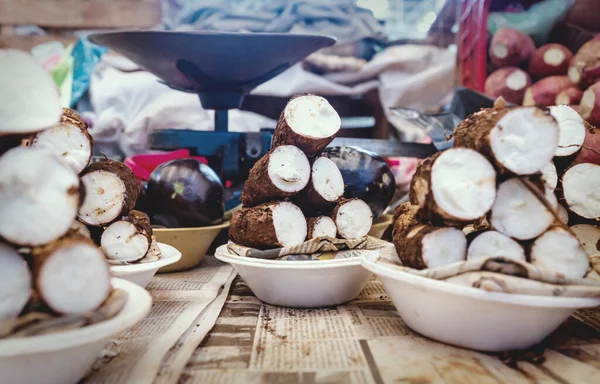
column 185, row 307
column 365, row 341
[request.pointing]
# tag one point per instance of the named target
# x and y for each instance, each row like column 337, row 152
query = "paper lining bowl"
column 469, row 317
column 300, row 284
column 142, row 273
column 65, row 357
column 380, row 225
column 191, row 242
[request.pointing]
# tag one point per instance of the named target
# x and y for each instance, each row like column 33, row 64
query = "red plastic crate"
column 472, row 43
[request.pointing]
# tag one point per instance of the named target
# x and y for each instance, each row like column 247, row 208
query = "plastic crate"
column 472, row 43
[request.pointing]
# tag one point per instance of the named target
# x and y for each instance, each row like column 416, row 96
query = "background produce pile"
column 52, row 203
column 297, row 190
column 547, row 75
column 512, row 183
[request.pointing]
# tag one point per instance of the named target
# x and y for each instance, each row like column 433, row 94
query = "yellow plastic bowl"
column 380, row 225
column 191, row 242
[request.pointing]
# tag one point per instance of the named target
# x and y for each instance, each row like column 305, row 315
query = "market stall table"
column 364, row 341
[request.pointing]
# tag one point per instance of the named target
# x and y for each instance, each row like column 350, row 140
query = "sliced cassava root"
column 590, row 104
column 518, row 213
column 581, row 190
column 520, row 140
column 510, row 47
column 585, row 66
column 550, row 59
column 69, row 140
column 129, row 238
column 544, row 92
column 71, row 275
column 353, row 218
column 569, row 96
column 550, row 175
column 559, row 250
column 493, row 243
column 39, row 196
column 308, row 122
column 15, row 283
column 510, row 83
column 29, row 101
column 321, row 226
column 283, row 172
column 80, row 228
column 111, row 192
column 423, row 246
column 269, row 225
column 326, row 185
column 571, row 130
column 457, row 185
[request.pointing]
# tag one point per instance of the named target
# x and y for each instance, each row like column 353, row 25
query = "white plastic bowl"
column 472, row 318
column 300, row 284
column 65, row 357
column 141, row 274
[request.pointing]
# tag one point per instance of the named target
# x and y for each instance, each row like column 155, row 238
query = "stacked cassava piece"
column 46, row 254
column 497, row 193
column 293, row 193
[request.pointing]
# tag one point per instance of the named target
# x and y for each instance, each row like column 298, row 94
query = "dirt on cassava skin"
column 253, row 227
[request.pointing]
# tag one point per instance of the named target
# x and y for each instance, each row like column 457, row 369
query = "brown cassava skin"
column 495, row 85
column 259, row 188
column 41, row 254
column 543, row 93
column 520, row 47
column 132, row 186
column 141, row 221
column 253, row 227
column 590, row 152
column 539, row 68
column 337, row 208
column 590, row 104
column 569, row 96
column 284, row 135
column 407, row 236
column 310, row 225
column 585, row 66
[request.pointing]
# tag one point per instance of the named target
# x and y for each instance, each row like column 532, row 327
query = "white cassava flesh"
column 463, row 183
column 589, row 238
column 550, row 175
column 122, row 241
column 559, row 250
column 443, row 246
column 80, row 228
column 562, row 214
column 581, row 189
column 491, row 244
column 312, row 116
column 322, row 226
column 571, row 128
column 39, row 196
column 289, row 223
column 518, row 213
column 29, row 100
column 74, row 278
column 327, row 179
column 289, row 169
column 68, row 142
column 104, row 196
column 524, row 140
column 353, row 218
column 15, row 283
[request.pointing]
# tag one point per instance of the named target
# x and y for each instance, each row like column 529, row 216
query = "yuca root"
column 69, row 140
column 423, row 246
column 39, row 197
column 590, row 104
column 308, row 122
column 550, row 175
column 127, row 239
column 269, row 225
column 15, row 283
column 63, row 291
column 111, row 192
column 559, row 250
column 518, row 213
column 569, row 96
column 509, row 83
column 544, row 92
column 581, row 190
column 493, row 243
column 571, row 130
column 549, row 60
column 81, row 229
column 585, row 66
column 510, row 47
column 325, row 188
column 506, row 137
column 282, row 172
column 353, row 218
column 321, row 226
column 454, row 186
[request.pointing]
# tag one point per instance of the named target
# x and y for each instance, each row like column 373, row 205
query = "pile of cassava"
column 510, row 187
column 292, row 193
column 560, row 78
column 52, row 201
